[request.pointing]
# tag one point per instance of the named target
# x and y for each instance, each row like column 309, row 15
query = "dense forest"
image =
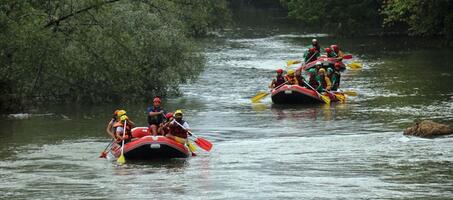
column 96, row 51
column 100, row 50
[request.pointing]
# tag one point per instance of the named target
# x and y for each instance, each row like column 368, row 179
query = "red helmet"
column 328, row 50
column 279, row 70
column 169, row 115
column 337, row 65
column 157, row 99
column 334, row 47
column 312, row 50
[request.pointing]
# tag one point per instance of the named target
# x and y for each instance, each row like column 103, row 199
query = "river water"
column 354, row 150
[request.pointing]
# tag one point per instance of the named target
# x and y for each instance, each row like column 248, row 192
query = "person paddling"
column 324, row 83
column 290, row 78
column 110, row 130
column 155, row 116
column 299, row 78
column 178, row 128
column 336, row 76
column 311, row 55
column 119, row 126
column 164, row 129
column 330, row 53
column 315, row 44
column 279, row 79
column 312, row 78
column 337, row 51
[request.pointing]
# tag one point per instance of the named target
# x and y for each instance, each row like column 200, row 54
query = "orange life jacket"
column 291, row 80
column 128, row 129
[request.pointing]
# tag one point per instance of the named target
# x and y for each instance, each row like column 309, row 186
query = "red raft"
column 294, row 94
column 146, row 147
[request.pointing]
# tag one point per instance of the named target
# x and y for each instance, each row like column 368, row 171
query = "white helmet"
column 318, row 63
column 314, row 40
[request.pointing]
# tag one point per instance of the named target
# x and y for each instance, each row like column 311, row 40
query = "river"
column 354, row 150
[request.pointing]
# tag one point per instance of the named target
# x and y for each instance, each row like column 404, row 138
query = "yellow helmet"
column 322, row 70
column 178, row 112
column 124, row 117
column 120, row 113
column 291, row 72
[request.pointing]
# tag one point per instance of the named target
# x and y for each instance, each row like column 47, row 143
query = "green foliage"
column 424, row 17
column 100, row 50
column 344, row 17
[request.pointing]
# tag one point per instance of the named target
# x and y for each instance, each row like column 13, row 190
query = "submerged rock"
column 428, row 129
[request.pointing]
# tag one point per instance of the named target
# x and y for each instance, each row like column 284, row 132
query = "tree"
column 345, row 17
column 99, row 50
column 423, row 17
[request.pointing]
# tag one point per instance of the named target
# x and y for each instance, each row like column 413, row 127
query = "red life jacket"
column 177, row 130
column 279, row 81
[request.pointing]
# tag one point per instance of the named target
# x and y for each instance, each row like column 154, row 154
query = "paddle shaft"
column 319, row 95
column 113, row 140
column 124, row 135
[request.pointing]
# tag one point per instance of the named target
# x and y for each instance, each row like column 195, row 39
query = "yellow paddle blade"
column 355, row 65
column 292, row 62
column 259, row 96
column 350, row 93
column 121, row 160
column 341, row 98
column 191, row 147
column 325, row 98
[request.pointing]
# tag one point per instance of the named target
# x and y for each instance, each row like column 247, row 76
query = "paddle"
column 261, row 95
column 201, row 142
column 349, row 56
column 350, row 93
column 292, row 62
column 192, row 148
column 104, row 153
column 324, row 98
column 340, row 97
column 355, row 65
column 121, row 160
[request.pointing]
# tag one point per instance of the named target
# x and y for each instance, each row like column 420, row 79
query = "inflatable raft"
column 295, row 94
column 325, row 62
column 146, row 147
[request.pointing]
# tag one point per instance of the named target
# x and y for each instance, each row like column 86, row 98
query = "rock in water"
column 428, row 129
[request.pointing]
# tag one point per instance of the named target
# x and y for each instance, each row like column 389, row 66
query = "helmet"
column 329, row 70
column 322, row 70
column 178, row 112
column 312, row 71
column 334, row 47
column 314, row 41
column 120, row 113
column 169, row 115
column 312, row 50
column 291, row 72
column 318, row 63
column 124, row 117
column 279, row 70
column 157, row 99
column 328, row 50
column 337, row 65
